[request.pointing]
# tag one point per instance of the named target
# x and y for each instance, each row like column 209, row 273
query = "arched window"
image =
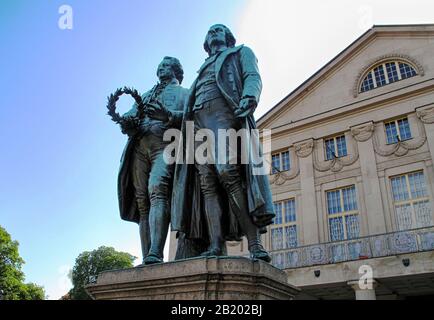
column 385, row 73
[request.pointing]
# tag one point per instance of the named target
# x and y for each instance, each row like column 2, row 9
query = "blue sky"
column 59, row 150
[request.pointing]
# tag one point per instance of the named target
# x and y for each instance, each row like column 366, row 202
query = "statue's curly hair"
column 176, row 67
column 230, row 39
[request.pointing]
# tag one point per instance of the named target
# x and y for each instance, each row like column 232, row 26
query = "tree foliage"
column 90, row 263
column 12, row 286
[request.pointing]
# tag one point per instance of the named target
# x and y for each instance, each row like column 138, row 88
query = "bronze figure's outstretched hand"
column 157, row 111
column 246, row 107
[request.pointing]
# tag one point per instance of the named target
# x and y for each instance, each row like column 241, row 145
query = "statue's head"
column 218, row 34
column 170, row 68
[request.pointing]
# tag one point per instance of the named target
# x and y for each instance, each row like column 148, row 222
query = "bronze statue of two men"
column 206, row 203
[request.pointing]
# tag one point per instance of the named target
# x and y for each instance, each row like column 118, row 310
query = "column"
column 371, row 185
column 308, row 199
column 426, row 115
column 363, row 293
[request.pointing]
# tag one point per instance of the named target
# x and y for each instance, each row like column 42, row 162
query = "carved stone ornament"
column 363, row 132
column 426, row 115
column 281, row 177
column 335, row 164
column 400, row 148
column 304, row 149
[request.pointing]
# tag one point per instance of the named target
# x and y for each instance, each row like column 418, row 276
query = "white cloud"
column 61, row 284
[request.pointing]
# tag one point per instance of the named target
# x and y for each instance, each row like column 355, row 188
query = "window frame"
column 343, row 214
column 411, row 201
column 284, row 225
column 335, row 146
column 398, row 130
column 280, row 154
column 397, row 62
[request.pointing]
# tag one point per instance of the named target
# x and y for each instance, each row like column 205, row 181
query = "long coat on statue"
column 237, row 76
column 173, row 97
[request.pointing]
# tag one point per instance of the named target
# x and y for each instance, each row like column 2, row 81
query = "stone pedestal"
column 213, row 278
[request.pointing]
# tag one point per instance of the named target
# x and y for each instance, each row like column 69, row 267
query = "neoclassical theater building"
column 352, row 172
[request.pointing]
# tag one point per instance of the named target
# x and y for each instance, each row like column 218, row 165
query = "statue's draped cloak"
column 237, row 76
column 173, row 97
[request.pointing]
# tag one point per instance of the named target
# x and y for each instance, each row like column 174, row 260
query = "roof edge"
column 366, row 34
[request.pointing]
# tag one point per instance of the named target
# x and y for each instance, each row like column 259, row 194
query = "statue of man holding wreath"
column 145, row 179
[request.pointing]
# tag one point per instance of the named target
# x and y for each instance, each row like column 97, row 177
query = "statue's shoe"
column 258, row 252
column 212, row 252
column 152, row 258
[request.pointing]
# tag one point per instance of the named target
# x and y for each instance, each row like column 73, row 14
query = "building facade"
column 352, row 172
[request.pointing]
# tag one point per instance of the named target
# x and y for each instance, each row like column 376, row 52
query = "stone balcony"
column 376, row 246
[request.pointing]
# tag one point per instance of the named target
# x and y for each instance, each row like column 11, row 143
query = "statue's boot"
column 213, row 213
column 159, row 220
column 145, row 239
column 238, row 203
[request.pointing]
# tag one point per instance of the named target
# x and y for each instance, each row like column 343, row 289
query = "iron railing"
column 380, row 245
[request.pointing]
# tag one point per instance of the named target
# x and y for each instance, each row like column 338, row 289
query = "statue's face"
column 165, row 70
column 216, row 35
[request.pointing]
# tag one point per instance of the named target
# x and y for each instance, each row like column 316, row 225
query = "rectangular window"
column 289, row 210
column 277, row 238
column 275, row 163
column 397, row 130
column 283, row 231
column 411, row 201
column 280, row 162
column 285, row 161
column 343, row 214
column 404, row 129
column 335, row 147
column 278, row 211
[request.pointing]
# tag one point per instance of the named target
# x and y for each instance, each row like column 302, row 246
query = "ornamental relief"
column 304, row 149
column 336, row 164
column 281, row 177
column 363, row 133
column 426, row 115
column 359, row 133
column 401, row 148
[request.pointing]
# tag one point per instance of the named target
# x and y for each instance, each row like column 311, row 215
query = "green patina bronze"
column 207, row 204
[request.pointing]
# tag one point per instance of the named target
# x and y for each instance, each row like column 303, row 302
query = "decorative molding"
column 360, row 133
column 281, row 177
column 398, row 56
column 363, row 132
column 336, row 164
column 400, row 148
column 304, row 149
column 426, row 115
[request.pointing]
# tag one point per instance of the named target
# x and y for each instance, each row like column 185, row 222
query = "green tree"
column 12, row 286
column 90, row 263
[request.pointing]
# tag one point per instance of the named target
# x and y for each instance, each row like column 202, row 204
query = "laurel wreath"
column 113, row 99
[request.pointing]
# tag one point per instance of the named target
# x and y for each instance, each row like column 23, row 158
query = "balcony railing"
column 381, row 245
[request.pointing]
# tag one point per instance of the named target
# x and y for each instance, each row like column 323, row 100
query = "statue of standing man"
column 223, row 201
column 145, row 179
